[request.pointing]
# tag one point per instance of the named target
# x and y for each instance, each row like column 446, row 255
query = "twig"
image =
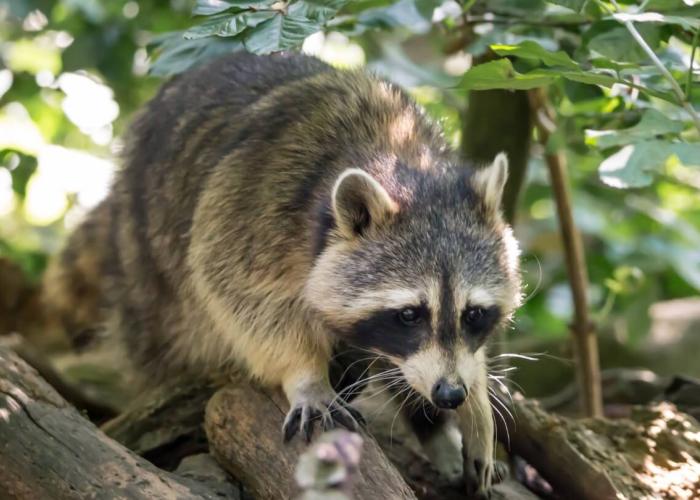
column 675, row 87
column 582, row 327
column 523, row 21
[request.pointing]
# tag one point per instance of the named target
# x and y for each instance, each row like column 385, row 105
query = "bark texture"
column 48, row 450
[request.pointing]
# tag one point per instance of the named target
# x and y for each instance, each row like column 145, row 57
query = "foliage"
column 628, row 134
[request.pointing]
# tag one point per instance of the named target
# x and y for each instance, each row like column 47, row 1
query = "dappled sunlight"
column 671, row 469
column 334, row 48
column 90, row 105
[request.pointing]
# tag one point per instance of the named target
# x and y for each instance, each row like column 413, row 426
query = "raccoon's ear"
column 360, row 202
column 490, row 181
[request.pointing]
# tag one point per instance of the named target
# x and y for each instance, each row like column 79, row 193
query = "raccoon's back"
column 131, row 249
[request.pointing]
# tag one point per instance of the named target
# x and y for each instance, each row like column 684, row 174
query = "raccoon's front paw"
column 329, row 413
column 478, row 476
column 481, row 474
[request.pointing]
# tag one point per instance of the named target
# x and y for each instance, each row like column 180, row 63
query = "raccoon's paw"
column 303, row 416
column 478, row 475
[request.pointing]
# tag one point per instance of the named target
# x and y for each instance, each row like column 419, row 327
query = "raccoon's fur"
column 272, row 206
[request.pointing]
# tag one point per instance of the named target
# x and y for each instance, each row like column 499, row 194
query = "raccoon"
column 270, row 207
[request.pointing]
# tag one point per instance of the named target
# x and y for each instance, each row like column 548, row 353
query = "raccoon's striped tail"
column 72, row 291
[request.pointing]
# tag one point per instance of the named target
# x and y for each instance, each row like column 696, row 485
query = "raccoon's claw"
column 303, row 418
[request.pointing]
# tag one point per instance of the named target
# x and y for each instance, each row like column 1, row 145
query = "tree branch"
column 582, row 327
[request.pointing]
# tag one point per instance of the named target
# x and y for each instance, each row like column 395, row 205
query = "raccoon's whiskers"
column 502, row 404
column 423, row 401
column 527, row 357
column 385, row 375
column 385, row 387
column 529, row 296
column 408, row 396
column 498, row 412
column 503, row 387
column 374, row 359
column 396, row 382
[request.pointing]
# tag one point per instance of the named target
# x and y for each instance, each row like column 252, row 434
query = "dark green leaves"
column 279, row 33
column 263, row 26
column 501, row 74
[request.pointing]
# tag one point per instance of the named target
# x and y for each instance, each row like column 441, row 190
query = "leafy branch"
column 626, row 20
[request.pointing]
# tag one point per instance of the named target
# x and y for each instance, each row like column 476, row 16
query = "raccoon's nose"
column 449, row 396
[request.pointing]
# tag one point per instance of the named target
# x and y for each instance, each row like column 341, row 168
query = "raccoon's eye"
column 410, row 316
column 473, row 315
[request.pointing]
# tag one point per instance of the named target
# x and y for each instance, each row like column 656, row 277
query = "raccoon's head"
column 420, row 268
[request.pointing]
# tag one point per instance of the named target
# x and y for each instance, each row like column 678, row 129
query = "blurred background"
column 73, row 72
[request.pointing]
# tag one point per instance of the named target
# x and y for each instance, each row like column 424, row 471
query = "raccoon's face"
column 421, row 273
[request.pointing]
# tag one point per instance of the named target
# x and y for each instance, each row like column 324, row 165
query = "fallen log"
column 48, row 450
column 653, row 453
column 243, row 426
column 164, row 424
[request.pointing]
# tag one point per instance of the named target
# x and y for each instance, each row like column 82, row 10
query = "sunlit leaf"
column 500, row 74
column 575, row 5
column 635, row 164
column 534, row 51
column 652, row 124
column 32, row 56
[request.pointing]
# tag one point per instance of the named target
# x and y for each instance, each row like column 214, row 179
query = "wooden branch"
column 540, row 438
column 96, row 410
column 582, row 328
column 48, row 450
column 243, row 426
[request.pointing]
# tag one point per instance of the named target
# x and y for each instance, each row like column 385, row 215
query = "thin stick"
column 582, row 327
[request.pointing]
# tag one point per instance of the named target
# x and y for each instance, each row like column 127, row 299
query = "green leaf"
column 618, row 45
column 279, row 33
column 227, row 25
column 534, row 51
column 575, row 5
column 414, row 15
column 175, row 54
column 210, row 7
column 635, row 164
column 500, row 74
column 688, row 23
column 316, row 10
column 652, row 124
